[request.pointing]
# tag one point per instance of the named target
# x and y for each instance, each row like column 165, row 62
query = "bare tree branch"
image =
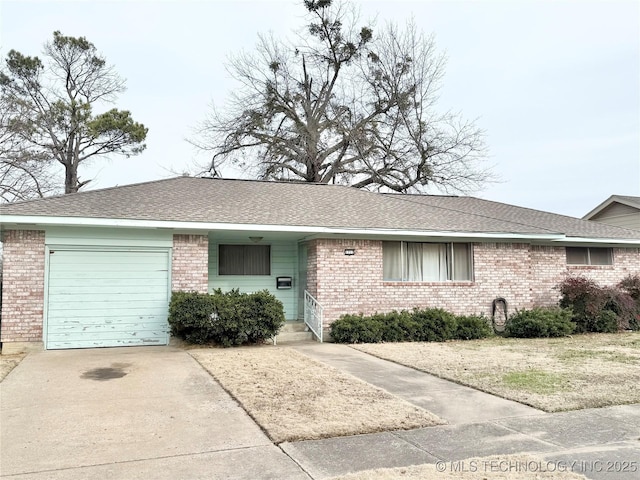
column 345, row 104
column 47, row 117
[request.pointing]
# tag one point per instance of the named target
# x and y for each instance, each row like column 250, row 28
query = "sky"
column 554, row 84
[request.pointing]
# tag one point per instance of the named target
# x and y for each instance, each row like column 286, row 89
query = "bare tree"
column 47, row 117
column 22, row 175
column 347, row 105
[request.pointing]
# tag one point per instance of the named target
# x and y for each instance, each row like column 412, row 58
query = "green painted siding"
column 101, row 297
column 284, row 263
column 108, row 237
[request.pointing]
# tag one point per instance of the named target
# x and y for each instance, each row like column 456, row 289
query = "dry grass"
column 293, row 397
column 512, row 467
column 8, row 363
column 583, row 371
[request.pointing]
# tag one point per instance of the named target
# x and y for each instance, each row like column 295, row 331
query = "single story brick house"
column 96, row 269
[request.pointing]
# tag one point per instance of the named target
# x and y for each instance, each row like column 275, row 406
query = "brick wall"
column 190, row 264
column 23, row 286
column 524, row 275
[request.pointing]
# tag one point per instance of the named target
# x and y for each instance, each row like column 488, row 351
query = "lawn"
column 582, row 371
column 293, row 397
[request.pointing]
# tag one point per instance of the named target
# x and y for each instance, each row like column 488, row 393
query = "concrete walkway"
column 602, row 444
column 128, row 413
column 450, row 401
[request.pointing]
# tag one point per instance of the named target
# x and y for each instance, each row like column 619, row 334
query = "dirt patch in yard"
column 8, row 363
column 583, row 371
column 511, row 467
column 293, row 397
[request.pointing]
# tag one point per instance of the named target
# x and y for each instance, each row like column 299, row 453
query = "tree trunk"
column 70, row 179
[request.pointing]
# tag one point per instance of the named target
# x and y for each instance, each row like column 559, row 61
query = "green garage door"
column 107, row 298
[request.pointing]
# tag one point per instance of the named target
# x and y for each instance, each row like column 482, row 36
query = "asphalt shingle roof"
column 204, row 200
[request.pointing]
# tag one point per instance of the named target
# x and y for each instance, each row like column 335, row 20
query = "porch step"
column 297, row 326
column 294, row 332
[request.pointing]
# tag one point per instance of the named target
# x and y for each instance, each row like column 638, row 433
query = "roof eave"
column 44, row 221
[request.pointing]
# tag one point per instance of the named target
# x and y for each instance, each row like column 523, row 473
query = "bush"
column 473, row 327
column 540, row 322
column 230, row 318
column 589, row 302
column 631, row 285
column 356, row 329
column 430, row 325
column 434, row 325
column 190, row 316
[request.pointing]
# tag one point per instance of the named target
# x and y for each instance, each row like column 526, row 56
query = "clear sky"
column 555, row 84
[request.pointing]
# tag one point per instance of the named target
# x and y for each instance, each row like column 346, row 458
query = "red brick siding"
column 548, row 268
column 190, row 263
column 23, row 286
column 312, row 271
column 524, row 275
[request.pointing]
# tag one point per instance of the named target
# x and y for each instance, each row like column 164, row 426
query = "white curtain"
column 461, row 262
column 392, row 261
column 414, row 262
column 431, row 261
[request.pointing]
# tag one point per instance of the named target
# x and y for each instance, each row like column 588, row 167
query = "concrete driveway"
column 144, row 412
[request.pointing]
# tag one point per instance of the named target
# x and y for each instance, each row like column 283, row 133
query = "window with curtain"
column 427, row 262
column 589, row 256
column 244, row 260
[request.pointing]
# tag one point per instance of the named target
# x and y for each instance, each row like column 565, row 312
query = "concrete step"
column 293, row 327
column 291, row 337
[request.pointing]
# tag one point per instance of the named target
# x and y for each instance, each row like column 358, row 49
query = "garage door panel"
column 95, row 317
column 104, row 298
column 125, row 287
column 96, row 257
column 90, row 309
column 115, row 342
column 80, row 278
column 107, row 332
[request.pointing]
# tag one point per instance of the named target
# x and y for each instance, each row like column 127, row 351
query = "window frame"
column 450, row 259
column 245, row 246
column 589, row 263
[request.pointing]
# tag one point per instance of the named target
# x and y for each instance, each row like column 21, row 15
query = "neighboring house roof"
column 246, row 202
column 622, row 199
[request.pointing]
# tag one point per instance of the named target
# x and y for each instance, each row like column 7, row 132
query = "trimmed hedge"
column 540, row 322
column 473, row 327
column 419, row 325
column 230, row 318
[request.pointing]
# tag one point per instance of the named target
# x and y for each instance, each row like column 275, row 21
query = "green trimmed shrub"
column 434, row 325
column 356, row 329
column 540, row 322
column 230, row 318
column 419, row 325
column 190, row 316
column 473, row 327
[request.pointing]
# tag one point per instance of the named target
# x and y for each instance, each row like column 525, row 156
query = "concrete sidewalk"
column 128, row 413
column 450, row 401
column 599, row 443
